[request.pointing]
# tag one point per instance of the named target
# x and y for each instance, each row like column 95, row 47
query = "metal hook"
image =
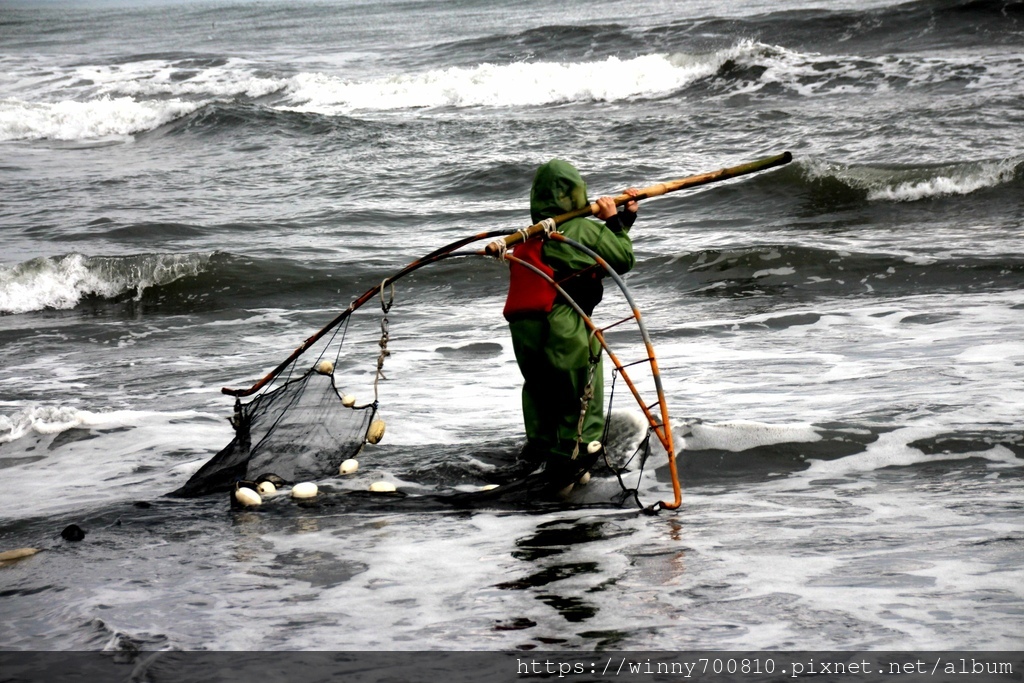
column 391, row 299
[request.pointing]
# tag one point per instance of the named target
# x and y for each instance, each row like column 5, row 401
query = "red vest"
column 527, row 291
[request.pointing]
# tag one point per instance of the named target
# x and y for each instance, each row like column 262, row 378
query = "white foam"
column 504, row 85
column 920, row 260
column 51, row 420
column 127, row 459
column 739, row 435
column 39, row 419
column 158, row 78
column 1000, row 352
column 61, row 282
column 98, row 118
column 893, row 449
column 130, row 458
column 87, row 102
column 787, row 270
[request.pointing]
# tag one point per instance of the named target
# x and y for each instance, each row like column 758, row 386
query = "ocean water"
column 188, row 190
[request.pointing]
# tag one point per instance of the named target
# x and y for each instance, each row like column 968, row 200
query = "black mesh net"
column 299, row 431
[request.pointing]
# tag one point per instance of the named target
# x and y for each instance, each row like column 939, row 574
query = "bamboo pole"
column 497, row 246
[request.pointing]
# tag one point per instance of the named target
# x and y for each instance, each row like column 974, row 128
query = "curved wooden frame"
column 663, row 430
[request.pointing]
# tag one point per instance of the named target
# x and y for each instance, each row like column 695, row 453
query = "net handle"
column 510, row 237
column 498, row 247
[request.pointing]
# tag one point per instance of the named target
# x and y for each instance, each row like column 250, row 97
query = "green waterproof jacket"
column 558, row 188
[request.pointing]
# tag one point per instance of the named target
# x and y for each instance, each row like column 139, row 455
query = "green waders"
column 552, row 354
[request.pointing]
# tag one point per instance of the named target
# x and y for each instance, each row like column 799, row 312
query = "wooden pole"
column 496, row 247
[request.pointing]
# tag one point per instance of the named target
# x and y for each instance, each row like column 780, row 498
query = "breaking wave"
column 124, row 99
column 51, row 420
column 62, row 282
column 179, row 283
column 507, row 85
column 99, row 118
column 915, row 183
column 748, row 68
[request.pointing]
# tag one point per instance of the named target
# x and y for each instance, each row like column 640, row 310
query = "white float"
column 17, row 554
column 376, row 431
column 247, row 497
column 306, row 489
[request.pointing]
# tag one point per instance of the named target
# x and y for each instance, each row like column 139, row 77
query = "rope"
column 499, row 248
column 385, row 306
column 344, row 333
column 611, row 399
column 588, row 393
column 391, row 299
column 645, row 445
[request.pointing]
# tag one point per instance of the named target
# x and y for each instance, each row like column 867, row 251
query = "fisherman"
column 552, row 344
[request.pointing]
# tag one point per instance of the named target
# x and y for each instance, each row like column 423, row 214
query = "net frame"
column 659, row 423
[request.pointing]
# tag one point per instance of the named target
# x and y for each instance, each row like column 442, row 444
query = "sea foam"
column 162, row 79
column 896, row 449
column 745, row 68
column 505, row 85
column 50, row 420
column 741, row 435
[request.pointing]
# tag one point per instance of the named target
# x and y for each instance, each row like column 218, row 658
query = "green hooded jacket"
column 558, row 188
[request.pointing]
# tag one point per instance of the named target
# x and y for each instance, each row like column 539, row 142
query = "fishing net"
column 301, row 430
column 305, row 428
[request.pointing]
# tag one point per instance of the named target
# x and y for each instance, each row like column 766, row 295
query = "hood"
column 557, row 188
